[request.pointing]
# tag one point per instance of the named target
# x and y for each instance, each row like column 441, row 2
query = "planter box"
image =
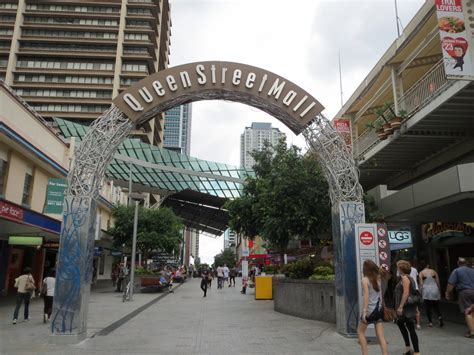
column 308, row 299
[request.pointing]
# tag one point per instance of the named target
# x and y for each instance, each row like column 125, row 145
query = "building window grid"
column 69, row 108
column 27, row 187
column 65, row 93
column 8, row 6
column 3, row 176
column 72, row 8
column 71, row 21
column 64, row 65
column 70, row 47
column 72, row 34
column 63, row 79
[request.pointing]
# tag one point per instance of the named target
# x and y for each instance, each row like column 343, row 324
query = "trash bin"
column 263, row 288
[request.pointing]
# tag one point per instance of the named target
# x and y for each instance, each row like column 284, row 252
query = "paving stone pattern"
column 225, row 322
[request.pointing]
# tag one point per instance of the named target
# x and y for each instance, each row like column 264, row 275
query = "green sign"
column 55, row 196
column 24, row 240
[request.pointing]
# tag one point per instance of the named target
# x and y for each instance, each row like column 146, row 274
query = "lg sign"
column 366, row 238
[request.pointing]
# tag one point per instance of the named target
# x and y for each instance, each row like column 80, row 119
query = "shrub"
column 271, row 269
column 143, row 272
column 300, row 269
column 324, row 271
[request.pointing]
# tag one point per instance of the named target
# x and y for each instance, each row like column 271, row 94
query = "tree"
column 287, row 199
column 226, row 257
column 158, row 229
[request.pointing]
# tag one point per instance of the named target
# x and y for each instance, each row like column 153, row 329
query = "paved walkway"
column 225, row 322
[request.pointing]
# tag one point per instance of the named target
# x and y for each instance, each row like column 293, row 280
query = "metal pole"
column 340, row 80
column 134, row 250
column 130, row 184
column 396, row 18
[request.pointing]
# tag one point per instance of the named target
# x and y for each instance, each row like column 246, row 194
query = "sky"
column 299, row 40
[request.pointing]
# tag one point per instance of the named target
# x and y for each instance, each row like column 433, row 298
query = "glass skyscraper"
column 177, row 133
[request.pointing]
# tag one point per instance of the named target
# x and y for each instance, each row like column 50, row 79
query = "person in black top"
column 204, row 280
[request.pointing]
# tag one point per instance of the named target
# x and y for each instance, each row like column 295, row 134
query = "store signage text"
column 214, row 80
column 431, row 230
column 400, row 237
column 10, row 212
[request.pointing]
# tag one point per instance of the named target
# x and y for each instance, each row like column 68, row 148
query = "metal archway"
column 162, row 91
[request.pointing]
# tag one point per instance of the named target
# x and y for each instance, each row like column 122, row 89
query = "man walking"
column 232, row 275
column 463, row 279
column 226, row 274
column 220, row 276
column 204, row 278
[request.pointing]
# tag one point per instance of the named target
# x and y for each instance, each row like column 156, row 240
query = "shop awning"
column 199, row 211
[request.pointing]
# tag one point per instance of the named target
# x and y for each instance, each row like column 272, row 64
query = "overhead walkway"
column 173, row 176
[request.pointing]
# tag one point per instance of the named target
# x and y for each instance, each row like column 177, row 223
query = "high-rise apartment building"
column 254, row 138
column 177, row 132
column 70, row 58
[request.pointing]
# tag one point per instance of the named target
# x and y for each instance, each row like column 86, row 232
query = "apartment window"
column 3, row 173
column 27, row 187
column 8, row 6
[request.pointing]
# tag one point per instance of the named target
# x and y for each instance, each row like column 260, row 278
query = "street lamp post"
column 137, row 198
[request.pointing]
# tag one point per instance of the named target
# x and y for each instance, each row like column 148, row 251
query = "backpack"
column 30, row 284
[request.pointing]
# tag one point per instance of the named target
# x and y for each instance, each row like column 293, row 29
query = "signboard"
column 245, row 252
column 400, row 237
column 11, row 212
column 366, row 249
column 25, row 240
column 432, row 230
column 98, row 251
column 383, row 243
column 55, row 196
column 343, row 126
column 454, row 38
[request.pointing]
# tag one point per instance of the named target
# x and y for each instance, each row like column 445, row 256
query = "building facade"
column 31, row 153
column 70, row 58
column 254, row 138
column 177, row 130
column 413, row 138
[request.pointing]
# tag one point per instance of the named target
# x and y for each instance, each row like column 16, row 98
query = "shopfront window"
column 27, row 187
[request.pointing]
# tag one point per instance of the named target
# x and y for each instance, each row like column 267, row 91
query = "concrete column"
column 397, row 87
column 74, row 272
column 15, row 44
column 344, row 217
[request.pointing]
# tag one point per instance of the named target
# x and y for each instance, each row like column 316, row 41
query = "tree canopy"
column 226, row 257
column 158, row 229
column 287, row 199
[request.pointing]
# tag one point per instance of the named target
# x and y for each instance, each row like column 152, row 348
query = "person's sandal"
column 469, row 335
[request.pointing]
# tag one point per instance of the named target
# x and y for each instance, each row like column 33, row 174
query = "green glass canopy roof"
column 164, row 172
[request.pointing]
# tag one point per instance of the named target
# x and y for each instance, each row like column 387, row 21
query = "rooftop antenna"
column 340, row 79
column 397, row 19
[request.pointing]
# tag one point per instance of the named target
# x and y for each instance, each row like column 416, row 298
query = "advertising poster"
column 343, row 126
column 454, row 38
column 55, row 196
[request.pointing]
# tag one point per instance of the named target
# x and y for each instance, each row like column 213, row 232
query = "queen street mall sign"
column 219, row 80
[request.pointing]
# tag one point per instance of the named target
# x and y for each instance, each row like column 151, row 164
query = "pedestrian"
column 121, row 276
column 226, row 271
column 463, row 279
column 114, row 274
column 26, row 288
column 232, row 275
column 245, row 282
column 430, row 292
column 372, row 310
column 210, row 277
column 47, row 290
column 415, row 277
column 405, row 303
column 204, row 280
column 220, row 277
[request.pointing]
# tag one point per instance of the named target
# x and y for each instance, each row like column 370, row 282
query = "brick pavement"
column 225, row 322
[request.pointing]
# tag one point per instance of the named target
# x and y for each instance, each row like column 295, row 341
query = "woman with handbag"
column 26, row 287
column 372, row 310
column 406, row 300
column 47, row 291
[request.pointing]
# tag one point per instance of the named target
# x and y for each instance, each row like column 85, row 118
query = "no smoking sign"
column 366, row 238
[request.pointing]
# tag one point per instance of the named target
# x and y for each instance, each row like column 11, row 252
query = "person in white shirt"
column 47, row 290
column 26, row 287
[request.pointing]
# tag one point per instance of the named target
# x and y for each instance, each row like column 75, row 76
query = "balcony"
column 439, row 117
